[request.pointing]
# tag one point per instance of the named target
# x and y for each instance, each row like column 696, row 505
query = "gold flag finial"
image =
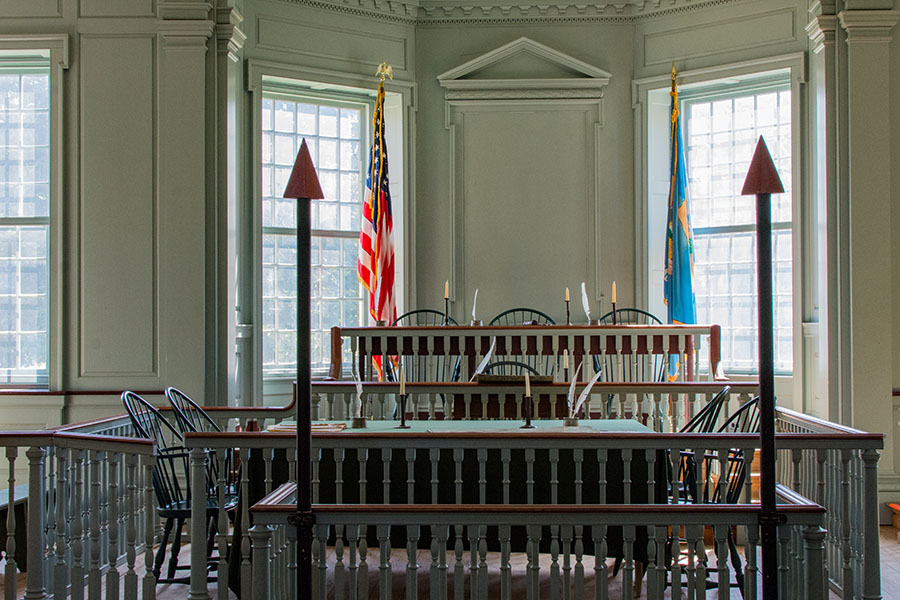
column 384, row 70
column 673, row 70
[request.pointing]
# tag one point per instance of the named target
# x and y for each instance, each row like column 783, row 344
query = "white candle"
column 565, row 359
column 527, row 385
column 614, row 293
column 402, row 380
column 567, row 294
column 446, row 289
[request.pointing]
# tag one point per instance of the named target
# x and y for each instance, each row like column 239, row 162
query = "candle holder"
column 446, row 320
column 568, row 320
column 402, row 424
column 614, row 313
column 527, row 409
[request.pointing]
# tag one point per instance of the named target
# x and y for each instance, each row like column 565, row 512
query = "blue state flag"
column 678, row 282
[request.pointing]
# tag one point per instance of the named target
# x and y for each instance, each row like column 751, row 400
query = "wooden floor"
column 890, row 575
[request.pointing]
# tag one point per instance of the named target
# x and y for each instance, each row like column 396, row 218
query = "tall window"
column 335, row 132
column 722, row 127
column 24, row 219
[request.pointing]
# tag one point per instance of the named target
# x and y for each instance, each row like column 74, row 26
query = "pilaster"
column 827, row 113
column 869, row 152
column 222, row 143
column 183, row 31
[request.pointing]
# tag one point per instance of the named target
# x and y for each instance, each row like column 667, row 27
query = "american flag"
column 375, row 267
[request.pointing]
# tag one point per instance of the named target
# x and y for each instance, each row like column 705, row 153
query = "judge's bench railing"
column 352, row 348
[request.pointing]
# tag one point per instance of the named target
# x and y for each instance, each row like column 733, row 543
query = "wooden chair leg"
column 176, row 547
column 638, row 578
column 161, row 553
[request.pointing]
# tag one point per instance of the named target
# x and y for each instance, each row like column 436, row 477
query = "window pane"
column 721, row 136
column 334, row 136
column 24, row 193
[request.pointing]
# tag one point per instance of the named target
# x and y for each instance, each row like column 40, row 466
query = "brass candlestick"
column 402, row 424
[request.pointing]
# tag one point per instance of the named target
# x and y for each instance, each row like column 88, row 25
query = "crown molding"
column 450, row 12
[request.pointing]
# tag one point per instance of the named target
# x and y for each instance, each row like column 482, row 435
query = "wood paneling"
column 354, row 46
column 739, row 33
column 116, row 8
column 117, row 291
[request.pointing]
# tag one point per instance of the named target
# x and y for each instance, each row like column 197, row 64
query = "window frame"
column 648, row 94
column 57, row 45
column 771, row 81
column 400, row 107
column 338, row 100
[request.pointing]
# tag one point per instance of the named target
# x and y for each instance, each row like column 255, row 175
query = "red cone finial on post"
column 304, row 182
column 762, row 178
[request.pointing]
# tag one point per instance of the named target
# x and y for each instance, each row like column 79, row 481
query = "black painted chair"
column 171, row 484
column 422, row 317
column 424, row 368
column 522, row 316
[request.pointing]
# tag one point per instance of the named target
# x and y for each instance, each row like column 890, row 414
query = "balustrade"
column 356, row 346
column 97, row 510
column 487, row 566
column 91, row 509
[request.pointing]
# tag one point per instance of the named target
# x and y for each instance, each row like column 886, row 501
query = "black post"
column 304, row 516
column 768, row 517
column 762, row 181
column 303, row 185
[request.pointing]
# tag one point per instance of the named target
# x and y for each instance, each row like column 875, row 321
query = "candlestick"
column 446, row 312
column 614, row 293
column 568, row 320
column 529, row 405
column 402, row 424
column 614, row 312
column 567, row 294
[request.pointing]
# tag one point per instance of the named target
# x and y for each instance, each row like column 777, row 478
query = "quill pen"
column 474, row 302
column 484, row 361
column 359, row 391
column 584, row 302
column 572, row 390
column 584, row 393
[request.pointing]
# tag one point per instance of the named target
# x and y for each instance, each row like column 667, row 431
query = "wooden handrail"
column 455, row 332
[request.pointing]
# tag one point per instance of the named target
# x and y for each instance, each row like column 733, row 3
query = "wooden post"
column 762, row 180
column 303, row 185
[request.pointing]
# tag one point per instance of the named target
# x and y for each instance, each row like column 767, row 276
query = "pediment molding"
column 573, row 78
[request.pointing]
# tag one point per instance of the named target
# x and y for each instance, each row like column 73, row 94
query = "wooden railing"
column 366, row 466
column 842, row 478
column 108, row 510
column 357, row 345
column 661, row 406
column 460, row 557
column 91, row 510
